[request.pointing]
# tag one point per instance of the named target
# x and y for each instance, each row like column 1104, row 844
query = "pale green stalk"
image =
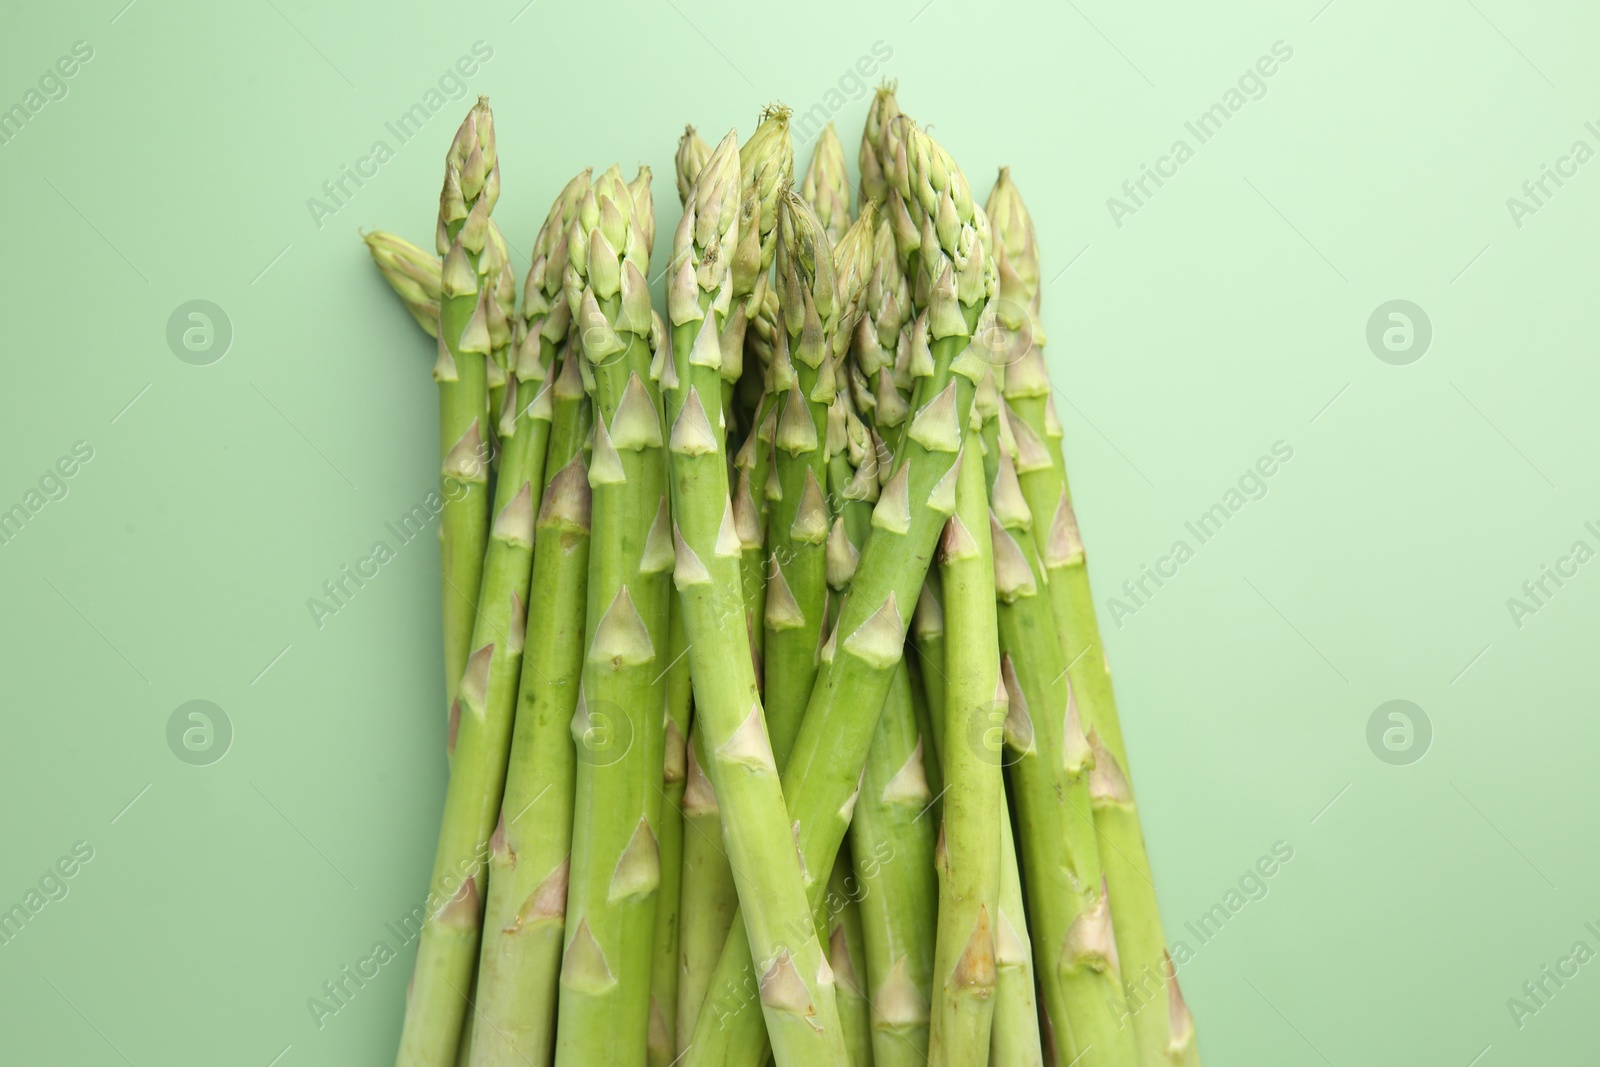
column 471, row 187
column 927, row 634
column 894, row 828
column 1015, row 1037
column 708, row 900
column 438, row 996
column 969, row 856
column 859, row 659
column 1161, row 1019
column 795, row 987
column 893, row 839
column 1069, row 908
column 514, row 1021
column 663, row 1042
column 847, row 956
column 818, row 301
column 620, row 719
column 1015, row 1032
column 412, row 272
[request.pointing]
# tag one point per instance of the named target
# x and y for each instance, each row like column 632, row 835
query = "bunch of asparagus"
column 778, row 719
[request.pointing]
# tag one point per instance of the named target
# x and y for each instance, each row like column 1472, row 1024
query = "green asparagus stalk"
column 1161, row 1020
column 826, row 185
column 893, row 828
column 471, row 187
column 662, row 1049
column 1069, row 907
column 412, row 272
column 710, row 899
column 487, row 701
column 795, row 986
column 969, row 855
column 437, row 1000
column 514, row 1021
column 893, row 839
column 816, row 300
column 847, row 958
column 1015, row 1031
column 611, row 896
column 928, row 636
column 1015, row 1035
column 859, row 659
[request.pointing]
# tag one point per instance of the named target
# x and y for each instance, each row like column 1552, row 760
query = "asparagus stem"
column 819, row 302
column 969, row 859
column 482, row 692
column 1015, row 1031
column 1015, row 1034
column 847, row 957
column 662, row 1048
column 471, row 187
column 893, row 828
column 892, row 837
column 514, row 1021
column 1161, row 1020
column 619, row 721
column 928, row 635
column 1069, row 908
column 859, row 659
column 412, row 272
column 710, row 900
column 795, row 987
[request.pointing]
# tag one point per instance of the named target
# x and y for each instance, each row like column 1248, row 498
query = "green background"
column 1228, row 313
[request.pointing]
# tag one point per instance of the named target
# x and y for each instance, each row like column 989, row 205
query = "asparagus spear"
column 1161, row 1020
column 795, row 988
column 710, row 899
column 437, row 999
column 471, row 187
column 928, row 636
column 662, row 1047
column 817, row 301
column 1014, row 1041
column 826, row 185
column 606, row 965
column 859, row 659
column 1015, row 1031
column 847, row 957
column 893, row 829
column 487, row 698
column 892, row 837
column 1069, row 906
column 412, row 272
column 969, row 856
column 514, row 1021
column 707, row 897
